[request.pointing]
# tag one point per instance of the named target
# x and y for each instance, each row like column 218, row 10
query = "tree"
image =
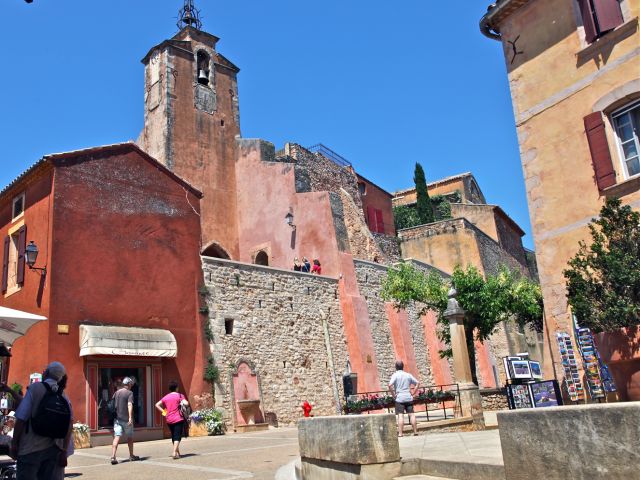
column 425, row 209
column 603, row 278
column 504, row 296
column 405, row 216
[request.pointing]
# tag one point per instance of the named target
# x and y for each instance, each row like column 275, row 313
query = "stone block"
column 325, row 470
column 594, row 442
column 350, row 439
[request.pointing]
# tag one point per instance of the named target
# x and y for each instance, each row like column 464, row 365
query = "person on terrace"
column 403, row 386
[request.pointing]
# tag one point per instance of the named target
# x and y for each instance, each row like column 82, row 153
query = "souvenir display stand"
column 525, row 387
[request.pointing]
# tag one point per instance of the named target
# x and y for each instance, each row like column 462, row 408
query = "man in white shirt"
column 402, row 386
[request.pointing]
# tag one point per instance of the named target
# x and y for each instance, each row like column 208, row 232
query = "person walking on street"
column 123, row 423
column 43, row 427
column 172, row 405
column 401, row 384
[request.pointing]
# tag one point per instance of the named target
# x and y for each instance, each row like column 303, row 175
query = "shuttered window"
column 600, row 156
column 5, row 264
column 627, row 125
column 599, row 17
column 22, row 245
column 379, row 222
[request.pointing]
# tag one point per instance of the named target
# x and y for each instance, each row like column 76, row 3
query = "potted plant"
column 207, row 421
column 81, row 436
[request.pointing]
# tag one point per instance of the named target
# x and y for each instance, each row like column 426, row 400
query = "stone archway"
column 216, row 251
column 262, row 258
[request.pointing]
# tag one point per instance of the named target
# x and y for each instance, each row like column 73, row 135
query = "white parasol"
column 15, row 323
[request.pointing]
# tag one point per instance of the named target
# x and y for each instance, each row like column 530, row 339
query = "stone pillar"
column 469, row 392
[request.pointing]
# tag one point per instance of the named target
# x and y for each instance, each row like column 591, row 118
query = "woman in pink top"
column 171, row 403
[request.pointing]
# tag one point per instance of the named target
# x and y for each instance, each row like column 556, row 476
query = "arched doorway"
column 216, row 251
column 262, row 258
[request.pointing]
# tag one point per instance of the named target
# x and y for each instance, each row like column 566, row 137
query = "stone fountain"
column 247, row 399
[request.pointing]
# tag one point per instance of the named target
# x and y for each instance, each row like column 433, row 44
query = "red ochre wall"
column 401, row 338
column 266, row 193
column 621, row 352
column 34, row 297
column 124, row 252
column 377, row 198
column 439, row 366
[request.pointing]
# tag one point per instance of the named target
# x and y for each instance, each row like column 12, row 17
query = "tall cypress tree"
column 425, row 210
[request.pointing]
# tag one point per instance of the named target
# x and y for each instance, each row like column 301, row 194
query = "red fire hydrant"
column 306, row 408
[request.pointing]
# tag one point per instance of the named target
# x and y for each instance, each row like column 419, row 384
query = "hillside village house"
column 118, row 240
column 578, row 130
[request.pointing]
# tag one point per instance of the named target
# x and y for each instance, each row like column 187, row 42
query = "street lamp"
column 31, row 255
column 289, row 219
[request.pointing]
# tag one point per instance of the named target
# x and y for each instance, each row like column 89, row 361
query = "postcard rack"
column 572, row 382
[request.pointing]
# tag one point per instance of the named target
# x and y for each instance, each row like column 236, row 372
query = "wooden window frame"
column 623, row 160
column 15, row 200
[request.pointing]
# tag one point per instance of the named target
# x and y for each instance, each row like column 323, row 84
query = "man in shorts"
column 400, row 385
column 123, row 423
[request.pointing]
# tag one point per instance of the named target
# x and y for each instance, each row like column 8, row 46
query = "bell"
column 203, row 77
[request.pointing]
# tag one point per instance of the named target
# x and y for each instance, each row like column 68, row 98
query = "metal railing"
column 330, row 154
column 443, row 401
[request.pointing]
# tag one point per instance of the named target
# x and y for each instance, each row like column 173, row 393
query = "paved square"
column 234, row 456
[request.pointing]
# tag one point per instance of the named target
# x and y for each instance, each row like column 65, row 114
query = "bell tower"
column 191, row 120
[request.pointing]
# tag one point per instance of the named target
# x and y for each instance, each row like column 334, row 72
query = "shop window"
column 626, row 122
column 109, row 381
column 17, row 207
column 599, row 17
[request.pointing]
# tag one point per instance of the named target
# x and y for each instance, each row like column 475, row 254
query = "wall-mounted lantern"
column 31, row 255
column 289, row 219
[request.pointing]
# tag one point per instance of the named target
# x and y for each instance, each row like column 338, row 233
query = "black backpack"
column 111, row 408
column 53, row 416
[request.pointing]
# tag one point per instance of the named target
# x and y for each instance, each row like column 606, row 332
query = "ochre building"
column 573, row 68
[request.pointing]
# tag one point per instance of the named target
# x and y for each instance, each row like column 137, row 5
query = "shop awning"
column 127, row 341
column 15, row 323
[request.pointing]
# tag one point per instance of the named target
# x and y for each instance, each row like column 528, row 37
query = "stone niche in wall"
column 246, row 397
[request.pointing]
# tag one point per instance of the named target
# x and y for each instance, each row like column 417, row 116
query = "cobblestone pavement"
column 229, row 457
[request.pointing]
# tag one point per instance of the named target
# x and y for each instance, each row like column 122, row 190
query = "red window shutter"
column 600, row 155
column 22, row 244
column 588, row 21
column 371, row 218
column 379, row 222
column 608, row 13
column 5, row 264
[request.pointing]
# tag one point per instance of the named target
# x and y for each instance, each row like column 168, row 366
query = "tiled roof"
column 435, row 183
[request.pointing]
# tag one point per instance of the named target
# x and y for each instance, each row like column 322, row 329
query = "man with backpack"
column 122, row 402
column 43, row 427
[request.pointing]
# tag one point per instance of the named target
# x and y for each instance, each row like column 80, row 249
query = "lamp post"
column 31, row 255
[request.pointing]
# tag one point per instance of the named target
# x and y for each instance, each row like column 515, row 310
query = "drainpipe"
column 485, row 23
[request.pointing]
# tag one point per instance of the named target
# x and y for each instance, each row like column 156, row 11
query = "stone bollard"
column 470, row 397
column 350, row 447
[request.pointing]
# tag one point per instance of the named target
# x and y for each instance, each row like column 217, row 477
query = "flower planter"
column 198, row 429
column 81, row 439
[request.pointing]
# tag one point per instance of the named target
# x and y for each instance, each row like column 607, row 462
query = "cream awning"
column 128, row 341
column 14, row 324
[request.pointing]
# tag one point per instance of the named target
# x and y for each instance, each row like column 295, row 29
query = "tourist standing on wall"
column 297, row 267
column 317, row 268
column 123, row 423
column 173, row 406
column 306, row 266
column 403, row 385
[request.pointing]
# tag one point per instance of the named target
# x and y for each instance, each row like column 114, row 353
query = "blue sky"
column 385, row 84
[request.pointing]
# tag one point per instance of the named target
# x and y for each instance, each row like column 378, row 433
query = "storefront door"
column 105, row 376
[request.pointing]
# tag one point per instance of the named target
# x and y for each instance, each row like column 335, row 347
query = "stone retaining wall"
column 494, row 399
column 280, row 321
